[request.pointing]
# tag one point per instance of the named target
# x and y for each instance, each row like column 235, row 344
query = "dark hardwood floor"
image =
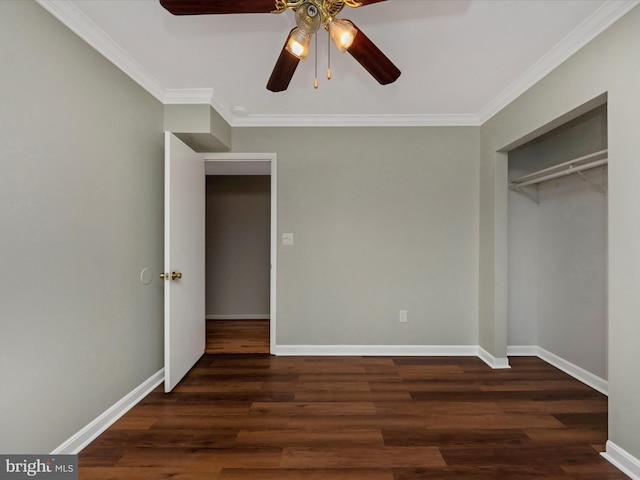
column 257, row 417
column 237, row 336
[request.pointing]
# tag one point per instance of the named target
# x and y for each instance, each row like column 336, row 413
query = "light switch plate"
column 287, row 239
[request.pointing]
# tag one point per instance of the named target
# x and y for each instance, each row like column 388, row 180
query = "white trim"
column 622, row 460
column 240, row 157
column 261, row 316
column 85, row 28
column 200, row 96
column 522, row 351
column 593, row 26
column 191, row 96
column 377, row 350
column 579, row 373
column 274, row 252
column 221, row 106
column 90, row 432
column 272, row 158
column 372, row 120
column 493, row 362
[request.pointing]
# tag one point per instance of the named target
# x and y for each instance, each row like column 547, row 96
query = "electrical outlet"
column 403, row 316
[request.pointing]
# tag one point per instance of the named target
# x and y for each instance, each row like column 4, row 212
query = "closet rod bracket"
column 535, row 198
column 602, row 189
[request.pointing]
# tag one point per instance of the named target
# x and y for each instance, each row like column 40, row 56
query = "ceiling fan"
column 310, row 16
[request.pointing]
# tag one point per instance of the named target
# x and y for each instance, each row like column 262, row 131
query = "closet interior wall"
column 557, row 273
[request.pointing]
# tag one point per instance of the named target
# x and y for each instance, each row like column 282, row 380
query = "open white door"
column 184, row 267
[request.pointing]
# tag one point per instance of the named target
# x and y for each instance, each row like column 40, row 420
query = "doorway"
column 240, row 252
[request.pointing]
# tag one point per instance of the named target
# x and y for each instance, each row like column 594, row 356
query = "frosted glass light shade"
column 298, row 44
column 308, row 18
column 342, row 33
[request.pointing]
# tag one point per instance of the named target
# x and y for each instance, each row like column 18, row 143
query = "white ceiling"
column 461, row 60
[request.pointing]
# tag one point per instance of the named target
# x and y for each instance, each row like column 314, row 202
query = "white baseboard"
column 248, row 316
column 377, row 350
column 493, row 362
column 522, row 351
column 393, row 350
column 622, row 460
column 579, row 373
column 90, row 432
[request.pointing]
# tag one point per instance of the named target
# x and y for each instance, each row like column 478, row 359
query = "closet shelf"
column 571, row 167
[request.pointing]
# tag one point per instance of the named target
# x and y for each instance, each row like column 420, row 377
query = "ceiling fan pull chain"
column 328, row 56
column 315, row 82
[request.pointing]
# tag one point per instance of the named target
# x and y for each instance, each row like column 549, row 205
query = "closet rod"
column 563, row 173
column 567, row 168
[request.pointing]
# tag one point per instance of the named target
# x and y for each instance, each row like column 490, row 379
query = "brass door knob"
column 173, row 276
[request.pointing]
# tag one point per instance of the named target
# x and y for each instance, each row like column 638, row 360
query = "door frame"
column 272, row 159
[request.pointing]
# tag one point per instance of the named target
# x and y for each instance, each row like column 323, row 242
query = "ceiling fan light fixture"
column 342, row 32
column 298, row 44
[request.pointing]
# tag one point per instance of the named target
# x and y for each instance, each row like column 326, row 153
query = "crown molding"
column 74, row 19
column 197, row 96
column 608, row 13
column 371, row 120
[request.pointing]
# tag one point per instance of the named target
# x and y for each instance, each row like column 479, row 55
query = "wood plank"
column 310, row 437
column 307, row 474
column 567, row 435
column 198, row 459
column 346, row 396
column 407, row 437
column 146, row 473
column 364, row 377
column 556, row 406
column 312, row 408
column 361, row 457
column 420, row 408
column 530, row 455
column 499, row 472
column 238, row 422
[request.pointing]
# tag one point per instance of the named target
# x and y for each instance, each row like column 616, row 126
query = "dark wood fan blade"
column 373, row 60
column 204, row 7
column 284, row 69
column 368, row 2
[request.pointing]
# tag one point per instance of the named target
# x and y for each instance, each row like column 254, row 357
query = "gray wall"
column 238, row 259
column 523, row 257
column 383, row 219
column 609, row 64
column 572, row 320
column 81, row 150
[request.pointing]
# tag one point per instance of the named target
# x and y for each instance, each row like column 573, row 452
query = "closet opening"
column 557, row 247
